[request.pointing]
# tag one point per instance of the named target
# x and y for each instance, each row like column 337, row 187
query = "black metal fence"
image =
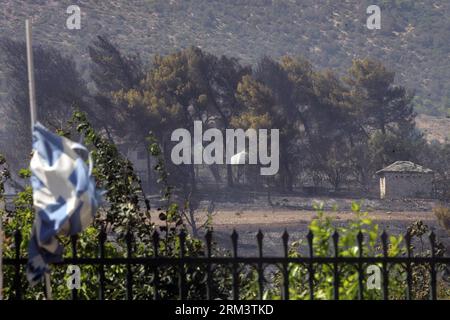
column 284, row 262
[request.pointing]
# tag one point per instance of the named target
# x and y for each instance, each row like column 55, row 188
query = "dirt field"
column 247, row 224
column 287, row 218
column 295, row 213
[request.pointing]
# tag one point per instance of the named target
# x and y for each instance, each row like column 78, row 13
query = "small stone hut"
column 404, row 179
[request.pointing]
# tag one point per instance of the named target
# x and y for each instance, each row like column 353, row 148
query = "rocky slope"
column 413, row 39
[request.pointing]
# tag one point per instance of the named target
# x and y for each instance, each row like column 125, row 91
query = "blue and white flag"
column 65, row 197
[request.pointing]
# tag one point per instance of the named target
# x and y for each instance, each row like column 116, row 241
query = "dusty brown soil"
column 248, row 213
column 280, row 218
column 273, row 222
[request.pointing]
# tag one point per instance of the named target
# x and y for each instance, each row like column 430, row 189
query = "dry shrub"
column 443, row 216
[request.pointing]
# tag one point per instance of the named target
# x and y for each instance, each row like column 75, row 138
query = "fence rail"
column 284, row 262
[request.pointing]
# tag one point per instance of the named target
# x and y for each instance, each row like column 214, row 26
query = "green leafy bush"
column 122, row 214
column 324, row 230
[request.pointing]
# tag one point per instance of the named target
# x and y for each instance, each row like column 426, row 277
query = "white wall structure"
column 139, row 157
column 404, row 179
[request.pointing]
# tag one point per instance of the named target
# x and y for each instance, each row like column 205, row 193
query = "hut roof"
column 405, row 166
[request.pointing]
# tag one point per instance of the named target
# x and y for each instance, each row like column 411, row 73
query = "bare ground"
column 295, row 213
column 273, row 224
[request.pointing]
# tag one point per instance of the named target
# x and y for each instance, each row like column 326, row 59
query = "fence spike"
column 208, row 239
column 335, row 237
column 260, row 234
column 182, row 236
column 73, row 242
column 384, row 236
column 259, row 238
column 432, row 238
column 384, row 241
column 129, row 237
column 310, row 238
column 208, row 236
column 360, row 239
column 147, row 204
column 408, row 238
column 234, row 240
column 155, row 236
column 17, row 239
column 285, row 238
column 102, row 236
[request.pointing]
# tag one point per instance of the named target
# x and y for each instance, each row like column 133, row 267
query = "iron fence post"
column 129, row 243
column 360, row 240
column 155, row 240
column 408, row 266
column 259, row 239
column 234, row 240
column 208, row 239
column 101, row 269
column 433, row 291
column 17, row 280
column 181, row 274
column 73, row 244
column 285, row 239
column 336, row 284
column 310, row 238
column 384, row 241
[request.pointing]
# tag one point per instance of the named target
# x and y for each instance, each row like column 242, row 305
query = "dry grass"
column 434, row 128
column 443, row 216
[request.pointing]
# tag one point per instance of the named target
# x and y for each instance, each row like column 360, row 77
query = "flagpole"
column 31, row 86
column 33, row 115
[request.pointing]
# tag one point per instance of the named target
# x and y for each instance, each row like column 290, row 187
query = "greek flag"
column 64, row 196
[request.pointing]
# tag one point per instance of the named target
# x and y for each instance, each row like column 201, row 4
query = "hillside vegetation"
column 413, row 39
